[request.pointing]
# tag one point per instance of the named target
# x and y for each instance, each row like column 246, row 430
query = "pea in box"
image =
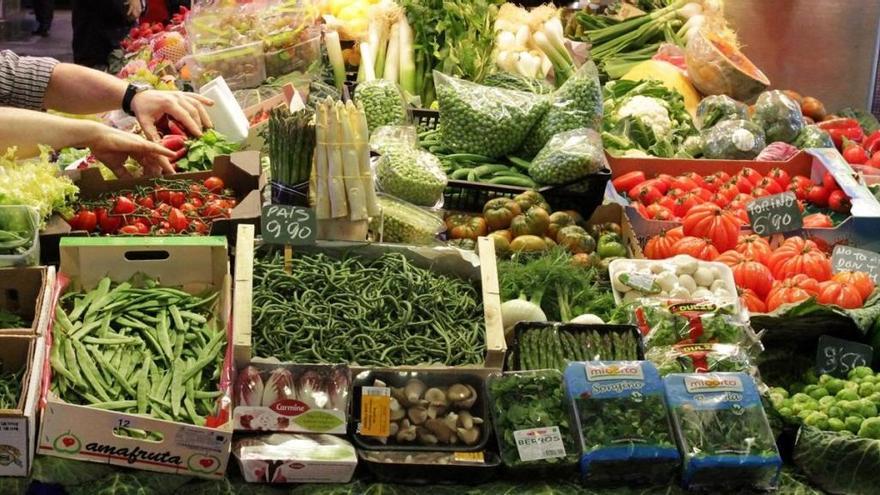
column 97, row 435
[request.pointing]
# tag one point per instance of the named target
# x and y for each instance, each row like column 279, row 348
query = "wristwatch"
column 130, row 92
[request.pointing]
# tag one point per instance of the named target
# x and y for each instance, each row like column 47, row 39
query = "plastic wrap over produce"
column 569, row 156
column 292, row 458
column 779, row 116
column 411, row 174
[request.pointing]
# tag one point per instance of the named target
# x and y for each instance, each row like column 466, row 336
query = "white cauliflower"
column 651, row 112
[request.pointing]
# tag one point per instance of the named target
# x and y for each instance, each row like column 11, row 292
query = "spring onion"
column 334, row 53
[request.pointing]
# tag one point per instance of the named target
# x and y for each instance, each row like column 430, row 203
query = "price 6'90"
column 772, row 222
column 292, row 230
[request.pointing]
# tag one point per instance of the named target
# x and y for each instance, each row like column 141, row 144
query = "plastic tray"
column 431, row 473
column 241, row 66
column 480, row 408
column 30, row 257
column 297, row 57
column 513, row 363
column 616, row 267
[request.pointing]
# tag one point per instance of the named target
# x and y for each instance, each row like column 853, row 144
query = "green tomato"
column 847, row 394
column 853, row 423
column 866, row 389
column 611, row 250
column 836, row 424
column 870, row 428
column 818, row 393
column 817, row 419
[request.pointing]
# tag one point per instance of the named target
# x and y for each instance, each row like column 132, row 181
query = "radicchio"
column 249, row 387
column 311, row 389
column 777, row 152
column 278, row 387
column 337, row 388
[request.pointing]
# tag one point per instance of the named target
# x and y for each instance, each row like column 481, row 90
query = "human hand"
column 187, row 108
column 134, row 9
column 113, row 147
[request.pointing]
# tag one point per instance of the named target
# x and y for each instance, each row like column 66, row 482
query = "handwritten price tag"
column 846, row 258
column 775, row 214
column 289, row 225
column 838, row 357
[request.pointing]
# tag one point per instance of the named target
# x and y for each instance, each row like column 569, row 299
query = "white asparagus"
column 392, row 64
column 368, row 59
column 320, row 169
column 338, row 201
column 357, row 206
column 363, row 140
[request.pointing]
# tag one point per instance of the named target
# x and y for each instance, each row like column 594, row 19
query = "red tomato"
column 696, row 178
column 200, row 227
column 109, row 224
column 176, row 199
column 189, row 208
column 703, row 193
column 818, row 195
column 828, row 181
column 666, row 179
column 770, row 185
column 780, row 176
column 214, row 209
column 667, row 202
column 178, row 220
column 130, row 230
column 147, row 202
column 712, row 183
column 742, row 184
column 659, row 184
column 123, row 206
column 760, row 192
column 684, row 183
column 685, row 203
column 196, row 191
column 162, row 195
column 720, row 199
column 197, row 202
column 675, row 193
column 724, row 176
column 645, row 194
column 800, row 192
column 855, row 154
column 730, row 190
column 751, row 174
column 801, row 181
column 142, row 227
column 214, row 184
column 839, row 202
column 621, row 184
column 818, row 220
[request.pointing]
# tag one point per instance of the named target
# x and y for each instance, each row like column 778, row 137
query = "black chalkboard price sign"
column 848, row 258
column 289, row 225
column 774, row 214
column 838, row 357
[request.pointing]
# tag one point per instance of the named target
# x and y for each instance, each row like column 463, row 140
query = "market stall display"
column 522, row 249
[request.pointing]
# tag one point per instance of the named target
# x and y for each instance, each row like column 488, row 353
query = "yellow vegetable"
column 670, row 76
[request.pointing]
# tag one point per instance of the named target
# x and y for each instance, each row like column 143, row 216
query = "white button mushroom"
column 703, row 276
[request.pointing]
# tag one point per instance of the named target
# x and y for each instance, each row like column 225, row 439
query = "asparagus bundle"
column 342, row 175
column 291, row 144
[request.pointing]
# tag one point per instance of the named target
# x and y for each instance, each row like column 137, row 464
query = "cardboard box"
column 858, row 230
column 241, row 172
column 481, row 268
column 27, row 292
column 613, row 212
column 18, row 426
column 288, row 97
column 83, row 433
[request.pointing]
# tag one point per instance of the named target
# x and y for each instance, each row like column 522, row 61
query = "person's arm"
column 26, row 130
column 80, row 90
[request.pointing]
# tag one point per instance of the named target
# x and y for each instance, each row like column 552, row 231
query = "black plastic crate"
column 425, row 119
column 419, row 473
column 513, row 358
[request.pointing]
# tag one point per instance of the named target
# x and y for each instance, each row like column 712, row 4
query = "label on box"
column 838, row 356
column 640, row 281
column 13, row 447
column 259, row 418
column 536, row 444
column 198, row 439
column 290, row 225
column 375, row 412
column 774, row 214
column 469, row 457
column 847, row 258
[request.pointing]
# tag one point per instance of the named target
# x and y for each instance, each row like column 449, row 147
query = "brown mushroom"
column 465, row 420
column 425, row 436
column 397, row 393
column 458, row 392
column 435, row 411
column 413, row 390
column 436, row 397
column 469, row 401
column 441, row 430
column 417, row 414
column 469, row 436
column 407, row 432
column 397, row 411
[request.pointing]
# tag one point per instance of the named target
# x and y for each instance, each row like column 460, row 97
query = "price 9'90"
column 293, row 231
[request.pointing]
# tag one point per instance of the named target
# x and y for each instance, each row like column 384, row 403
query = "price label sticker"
column 838, row 357
column 536, row 444
column 469, row 457
column 775, row 214
column 375, row 412
column 290, row 225
column 847, row 258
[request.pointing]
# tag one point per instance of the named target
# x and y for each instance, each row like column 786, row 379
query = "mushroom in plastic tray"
column 681, row 277
column 426, row 411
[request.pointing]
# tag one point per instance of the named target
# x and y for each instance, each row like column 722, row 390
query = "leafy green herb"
column 663, row 327
column 10, row 387
column 201, row 152
column 10, row 320
column 699, row 358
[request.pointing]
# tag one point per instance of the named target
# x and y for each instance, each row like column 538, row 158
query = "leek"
column 392, row 62
column 334, row 53
column 407, row 53
column 561, row 67
column 368, row 61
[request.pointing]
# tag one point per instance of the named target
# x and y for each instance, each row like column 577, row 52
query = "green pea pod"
column 177, row 387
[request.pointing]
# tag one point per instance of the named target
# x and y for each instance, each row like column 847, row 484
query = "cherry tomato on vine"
column 88, row 220
column 200, row 226
column 130, row 230
column 214, row 184
column 178, row 220
column 123, row 206
column 147, row 202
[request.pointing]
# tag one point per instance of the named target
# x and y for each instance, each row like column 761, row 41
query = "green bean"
column 116, row 405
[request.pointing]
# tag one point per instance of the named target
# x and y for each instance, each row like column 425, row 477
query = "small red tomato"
column 214, row 184
column 176, row 199
column 800, row 192
column 88, row 220
column 645, row 194
column 74, row 222
column 769, row 185
column 123, row 206
column 109, row 224
column 214, row 209
column 142, row 227
column 200, row 227
column 751, row 174
column 839, row 202
column 129, row 230
column 743, row 184
column 196, row 191
column 684, row 183
column 818, row 195
column 162, row 195
column 189, row 209
column 147, row 202
column 855, row 154
column 178, row 220
column 197, row 202
column 828, row 181
column 780, row 176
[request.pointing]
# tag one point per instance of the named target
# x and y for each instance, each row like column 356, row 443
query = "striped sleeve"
column 23, row 80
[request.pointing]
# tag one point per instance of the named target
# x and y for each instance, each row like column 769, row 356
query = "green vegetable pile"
column 18, row 226
column 568, row 156
column 644, row 117
column 525, row 400
column 10, row 387
column 726, row 431
column 291, row 143
column 10, row 320
column 833, row 404
column 36, row 183
column 384, row 312
column 483, row 120
column 518, row 82
column 733, row 140
column 666, row 327
column 472, row 167
column 717, row 108
column 694, row 358
column 576, row 104
column 554, row 347
column 200, row 153
column 779, row 116
column 411, row 174
column 137, row 347
column 382, row 101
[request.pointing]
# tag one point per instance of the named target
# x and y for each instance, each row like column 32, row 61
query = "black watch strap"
column 130, row 92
